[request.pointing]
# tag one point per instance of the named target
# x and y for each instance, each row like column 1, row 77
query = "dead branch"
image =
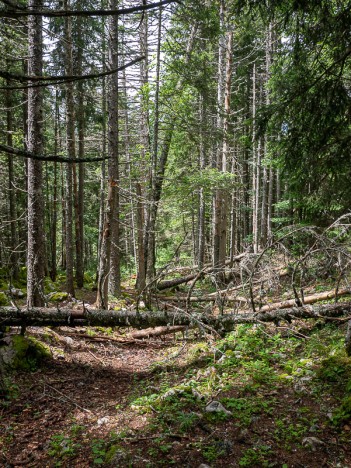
column 185, row 279
column 307, row 300
column 157, row 331
column 86, row 13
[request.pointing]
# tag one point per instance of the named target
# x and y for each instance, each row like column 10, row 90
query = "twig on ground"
column 66, row 398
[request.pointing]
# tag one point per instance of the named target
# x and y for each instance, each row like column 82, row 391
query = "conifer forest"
column 175, row 233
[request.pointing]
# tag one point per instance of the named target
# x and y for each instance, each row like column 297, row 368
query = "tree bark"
column 114, row 275
column 307, row 300
column 42, row 317
column 35, row 248
column 14, row 257
column 109, row 266
column 79, row 193
column 71, row 150
column 142, row 209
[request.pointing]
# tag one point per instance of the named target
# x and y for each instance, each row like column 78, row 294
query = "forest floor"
column 103, row 398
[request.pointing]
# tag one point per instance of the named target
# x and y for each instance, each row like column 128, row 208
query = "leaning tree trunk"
column 35, row 248
column 154, row 185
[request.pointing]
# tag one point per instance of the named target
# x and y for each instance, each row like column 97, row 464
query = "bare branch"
column 60, row 79
column 51, row 158
column 87, row 13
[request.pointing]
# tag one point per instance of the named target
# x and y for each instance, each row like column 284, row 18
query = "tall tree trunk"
column 79, row 195
column 151, row 253
column 103, row 163
column 113, row 151
column 202, row 201
column 109, row 266
column 14, row 258
column 271, row 170
column 256, row 167
column 142, row 210
column 71, row 150
column 35, row 248
column 53, row 269
column 225, row 151
column 217, row 200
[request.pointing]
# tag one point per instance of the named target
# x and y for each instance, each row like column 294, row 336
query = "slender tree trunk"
column 256, row 168
column 35, row 248
column 151, row 253
column 53, row 269
column 71, row 150
column 113, row 150
column 225, row 151
column 14, row 258
column 202, row 201
column 142, row 211
column 79, row 195
column 127, row 150
column 103, row 164
column 217, row 200
column 271, row 171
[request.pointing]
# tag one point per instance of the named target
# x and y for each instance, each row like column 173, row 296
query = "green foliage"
column 343, row 412
column 98, row 448
column 257, row 456
column 334, row 368
column 3, row 299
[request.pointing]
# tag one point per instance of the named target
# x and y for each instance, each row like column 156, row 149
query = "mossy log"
column 42, row 317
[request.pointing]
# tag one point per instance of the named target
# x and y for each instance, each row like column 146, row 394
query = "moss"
column 334, row 368
column 58, row 297
column 27, row 353
column 117, row 456
column 3, row 299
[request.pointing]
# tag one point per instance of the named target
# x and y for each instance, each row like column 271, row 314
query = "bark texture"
column 35, row 251
column 10, row 316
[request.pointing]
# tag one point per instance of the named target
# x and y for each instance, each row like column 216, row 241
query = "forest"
column 175, row 233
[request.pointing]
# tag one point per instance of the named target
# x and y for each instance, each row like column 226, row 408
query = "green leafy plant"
column 98, row 448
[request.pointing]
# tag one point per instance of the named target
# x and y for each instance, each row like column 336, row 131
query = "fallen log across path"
column 42, row 317
column 307, row 299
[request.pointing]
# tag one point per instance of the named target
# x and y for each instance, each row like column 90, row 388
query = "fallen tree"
column 10, row 316
column 225, row 293
column 307, row 299
column 166, row 284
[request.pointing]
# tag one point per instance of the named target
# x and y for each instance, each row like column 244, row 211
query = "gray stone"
column 312, row 442
column 217, row 407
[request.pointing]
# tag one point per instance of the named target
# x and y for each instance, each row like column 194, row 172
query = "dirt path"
column 81, row 391
column 79, row 409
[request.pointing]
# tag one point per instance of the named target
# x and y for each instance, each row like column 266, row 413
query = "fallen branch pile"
column 10, row 316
